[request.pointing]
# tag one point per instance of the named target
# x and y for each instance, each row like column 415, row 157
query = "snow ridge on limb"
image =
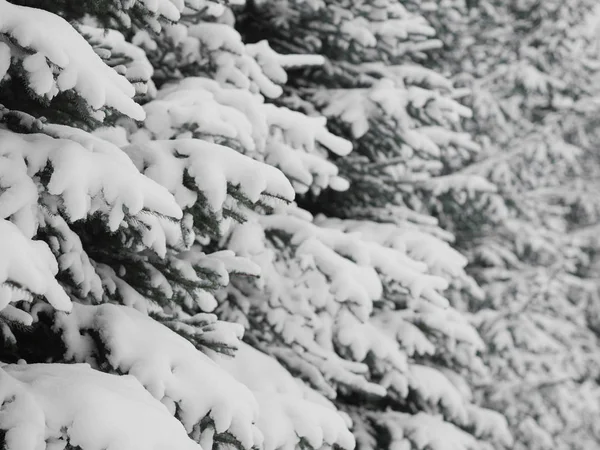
column 40, row 402
column 441, row 259
column 423, row 431
column 291, row 141
column 184, row 379
column 69, row 172
column 289, row 411
column 56, row 58
column 256, row 68
column 337, row 312
column 27, row 268
column 212, row 168
column 127, row 59
column 489, row 424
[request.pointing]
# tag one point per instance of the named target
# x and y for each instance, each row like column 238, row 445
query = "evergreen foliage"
column 531, row 68
column 296, row 223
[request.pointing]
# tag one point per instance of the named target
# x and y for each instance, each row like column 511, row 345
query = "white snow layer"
column 137, row 69
column 27, row 267
column 291, row 141
column 88, row 174
column 212, row 167
column 187, row 381
column 55, row 42
column 423, row 431
column 287, row 412
column 265, row 407
column 47, row 406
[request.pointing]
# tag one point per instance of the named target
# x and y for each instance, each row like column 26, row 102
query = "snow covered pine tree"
column 532, row 70
column 149, row 159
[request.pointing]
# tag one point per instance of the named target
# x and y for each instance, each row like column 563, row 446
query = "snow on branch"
column 71, row 257
column 27, row 268
column 184, row 379
column 254, row 67
column 423, row 431
column 363, row 338
column 203, row 110
column 343, row 260
column 74, row 174
column 410, row 74
column 410, row 338
column 489, row 424
column 125, row 58
column 211, row 169
column 437, row 390
column 71, row 405
column 289, row 411
column 441, row 259
column 207, row 272
column 56, row 58
column 291, row 141
column 336, row 286
column 406, row 106
column 457, row 182
column 329, row 244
